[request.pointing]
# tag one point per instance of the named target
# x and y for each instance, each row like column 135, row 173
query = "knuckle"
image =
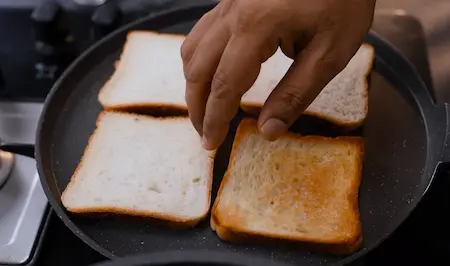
column 219, row 86
column 186, row 51
column 332, row 57
column 292, row 100
column 251, row 14
column 248, row 15
column 191, row 75
column 225, row 7
column 244, row 20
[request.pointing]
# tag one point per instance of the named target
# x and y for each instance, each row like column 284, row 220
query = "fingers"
column 312, row 69
column 237, row 71
column 200, row 72
column 291, row 44
column 196, row 34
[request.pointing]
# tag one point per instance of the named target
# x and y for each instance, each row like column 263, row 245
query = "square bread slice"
column 149, row 79
column 343, row 101
column 149, row 75
column 143, row 166
column 300, row 189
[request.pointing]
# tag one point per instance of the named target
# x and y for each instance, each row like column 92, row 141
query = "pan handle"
column 19, row 148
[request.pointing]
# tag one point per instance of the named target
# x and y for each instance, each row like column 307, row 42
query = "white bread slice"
column 149, row 79
column 143, row 166
column 300, row 189
column 343, row 101
column 149, row 75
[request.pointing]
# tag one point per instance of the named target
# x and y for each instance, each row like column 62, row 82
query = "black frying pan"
column 406, row 139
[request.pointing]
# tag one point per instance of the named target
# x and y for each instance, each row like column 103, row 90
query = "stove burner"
column 6, row 163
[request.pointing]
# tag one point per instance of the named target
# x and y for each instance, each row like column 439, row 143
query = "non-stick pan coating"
column 404, row 135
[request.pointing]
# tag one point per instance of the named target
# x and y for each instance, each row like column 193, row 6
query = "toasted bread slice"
column 143, row 166
column 148, row 77
column 301, row 189
column 343, row 101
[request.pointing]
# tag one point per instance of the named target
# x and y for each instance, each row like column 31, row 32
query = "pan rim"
column 193, row 256
column 64, row 216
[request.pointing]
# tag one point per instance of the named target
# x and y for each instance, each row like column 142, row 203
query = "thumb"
column 311, row 70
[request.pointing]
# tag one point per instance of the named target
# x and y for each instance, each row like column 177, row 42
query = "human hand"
column 223, row 53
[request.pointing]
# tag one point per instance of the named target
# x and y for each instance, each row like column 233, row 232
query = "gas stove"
column 40, row 39
column 23, row 204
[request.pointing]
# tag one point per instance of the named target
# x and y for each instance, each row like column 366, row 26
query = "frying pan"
column 406, row 140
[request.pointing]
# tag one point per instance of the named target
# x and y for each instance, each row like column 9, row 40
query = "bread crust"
column 238, row 235
column 153, row 109
column 255, row 109
column 164, row 219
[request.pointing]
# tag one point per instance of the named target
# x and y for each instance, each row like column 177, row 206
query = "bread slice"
column 143, row 166
column 148, row 77
column 343, row 101
column 297, row 189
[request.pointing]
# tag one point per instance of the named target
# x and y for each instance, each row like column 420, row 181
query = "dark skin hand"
column 223, row 53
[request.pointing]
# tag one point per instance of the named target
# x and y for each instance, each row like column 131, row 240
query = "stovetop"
column 22, row 199
column 422, row 239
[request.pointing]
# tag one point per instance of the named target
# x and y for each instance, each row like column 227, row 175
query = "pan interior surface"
column 187, row 258
column 393, row 175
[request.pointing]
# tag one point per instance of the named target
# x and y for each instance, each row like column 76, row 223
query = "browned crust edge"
column 240, row 236
column 169, row 220
column 154, row 109
column 255, row 108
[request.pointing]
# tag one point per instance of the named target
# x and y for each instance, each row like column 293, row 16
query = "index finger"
column 238, row 69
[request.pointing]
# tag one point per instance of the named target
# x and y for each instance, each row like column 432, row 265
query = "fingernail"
column 273, row 128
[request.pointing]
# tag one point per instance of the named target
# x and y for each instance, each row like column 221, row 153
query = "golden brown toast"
column 301, row 189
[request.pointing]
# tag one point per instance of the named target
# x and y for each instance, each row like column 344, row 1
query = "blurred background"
column 435, row 18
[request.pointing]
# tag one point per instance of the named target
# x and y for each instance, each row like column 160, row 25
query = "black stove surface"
column 421, row 240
